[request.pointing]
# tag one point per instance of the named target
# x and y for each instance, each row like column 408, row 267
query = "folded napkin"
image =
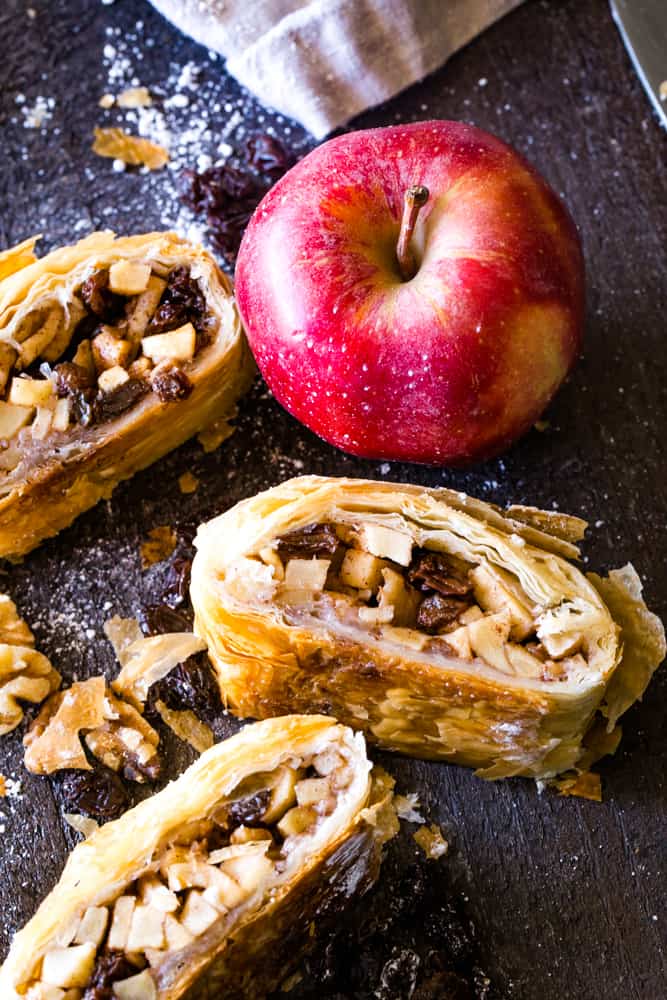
column 323, row 61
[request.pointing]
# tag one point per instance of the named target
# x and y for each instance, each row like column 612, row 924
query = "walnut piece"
column 25, row 674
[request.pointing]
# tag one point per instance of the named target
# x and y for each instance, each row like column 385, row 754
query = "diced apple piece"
column 296, row 821
column 306, row 574
column 141, row 987
column 283, row 794
column 394, row 593
column 111, row 378
column 69, row 967
column 155, row 894
column 198, row 914
column 84, row 358
column 377, row 616
column 248, row 835
column 406, row 637
column 93, row 925
column 61, row 415
column 140, row 312
column 129, row 277
column 177, row 936
column 560, row 644
column 495, row 591
column 110, row 349
column 226, row 894
column 471, row 614
column 41, row 425
column 121, row 922
column 523, row 662
column 487, row 637
column 141, row 368
column 270, row 557
column 312, row 790
column 146, row 929
column 66, row 932
column 42, row 991
column 459, row 640
column 154, row 956
column 30, row 391
column 13, row 418
column 361, row 570
column 176, row 345
column 387, row 543
column 249, row 870
column 193, row 873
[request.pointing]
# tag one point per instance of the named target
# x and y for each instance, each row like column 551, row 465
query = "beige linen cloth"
column 323, row 61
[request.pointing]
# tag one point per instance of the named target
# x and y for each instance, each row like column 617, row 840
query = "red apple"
column 444, row 365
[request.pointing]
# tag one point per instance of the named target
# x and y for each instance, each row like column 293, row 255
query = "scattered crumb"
column 584, row 786
column 431, row 841
column 663, row 90
column 407, row 808
column 187, row 727
column 3, row 786
column 40, row 113
column 213, row 435
column 187, row 483
column 117, row 144
column 82, row 824
column 13, row 788
column 542, row 425
column 106, row 101
column 134, row 97
column 159, row 545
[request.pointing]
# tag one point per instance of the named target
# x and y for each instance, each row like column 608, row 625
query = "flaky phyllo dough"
column 217, row 885
column 441, row 626
column 112, row 352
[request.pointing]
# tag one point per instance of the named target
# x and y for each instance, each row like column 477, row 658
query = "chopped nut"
column 129, row 277
column 26, row 391
column 431, row 841
column 117, row 144
column 159, row 546
column 187, row 483
column 111, row 378
column 125, row 741
column 25, row 675
column 14, row 631
column 53, row 742
column 176, row 345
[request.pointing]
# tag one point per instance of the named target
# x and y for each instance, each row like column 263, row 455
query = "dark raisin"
column 249, row 810
column 73, row 379
column 436, row 571
column 171, row 383
column 109, row 405
column 148, row 770
column 98, row 793
column 437, row 611
column 156, row 619
column 177, row 583
column 182, row 302
column 267, row 154
column 99, row 298
column 111, row 967
column 313, row 540
column 190, row 685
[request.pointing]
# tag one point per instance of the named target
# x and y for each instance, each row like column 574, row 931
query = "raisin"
column 436, row 571
column 437, row 611
column 171, row 383
column 313, row 540
column 182, row 302
column 109, row 405
column 110, row 968
column 156, row 619
column 249, row 810
column 99, row 298
column 177, row 583
column 190, row 685
column 73, row 379
column 98, row 793
column 267, row 154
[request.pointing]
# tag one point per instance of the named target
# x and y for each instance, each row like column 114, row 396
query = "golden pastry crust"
column 276, row 651
column 71, row 470
column 243, row 953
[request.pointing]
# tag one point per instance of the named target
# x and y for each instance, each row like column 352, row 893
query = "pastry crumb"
column 663, row 90
column 117, row 144
column 106, row 101
column 407, row 808
column 159, row 545
column 585, row 786
column 213, row 435
column 431, row 841
column 134, row 97
column 187, row 483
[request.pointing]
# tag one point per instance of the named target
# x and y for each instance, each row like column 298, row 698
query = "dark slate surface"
column 567, row 896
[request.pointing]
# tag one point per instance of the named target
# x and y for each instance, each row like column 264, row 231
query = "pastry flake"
column 221, row 878
column 82, row 404
column 439, row 625
column 117, row 144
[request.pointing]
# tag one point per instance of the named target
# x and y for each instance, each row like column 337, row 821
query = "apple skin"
column 449, row 367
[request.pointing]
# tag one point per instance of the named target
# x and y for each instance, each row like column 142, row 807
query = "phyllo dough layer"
column 215, row 886
column 112, row 353
column 441, row 626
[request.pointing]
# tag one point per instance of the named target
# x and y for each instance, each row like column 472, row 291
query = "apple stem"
column 414, row 199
